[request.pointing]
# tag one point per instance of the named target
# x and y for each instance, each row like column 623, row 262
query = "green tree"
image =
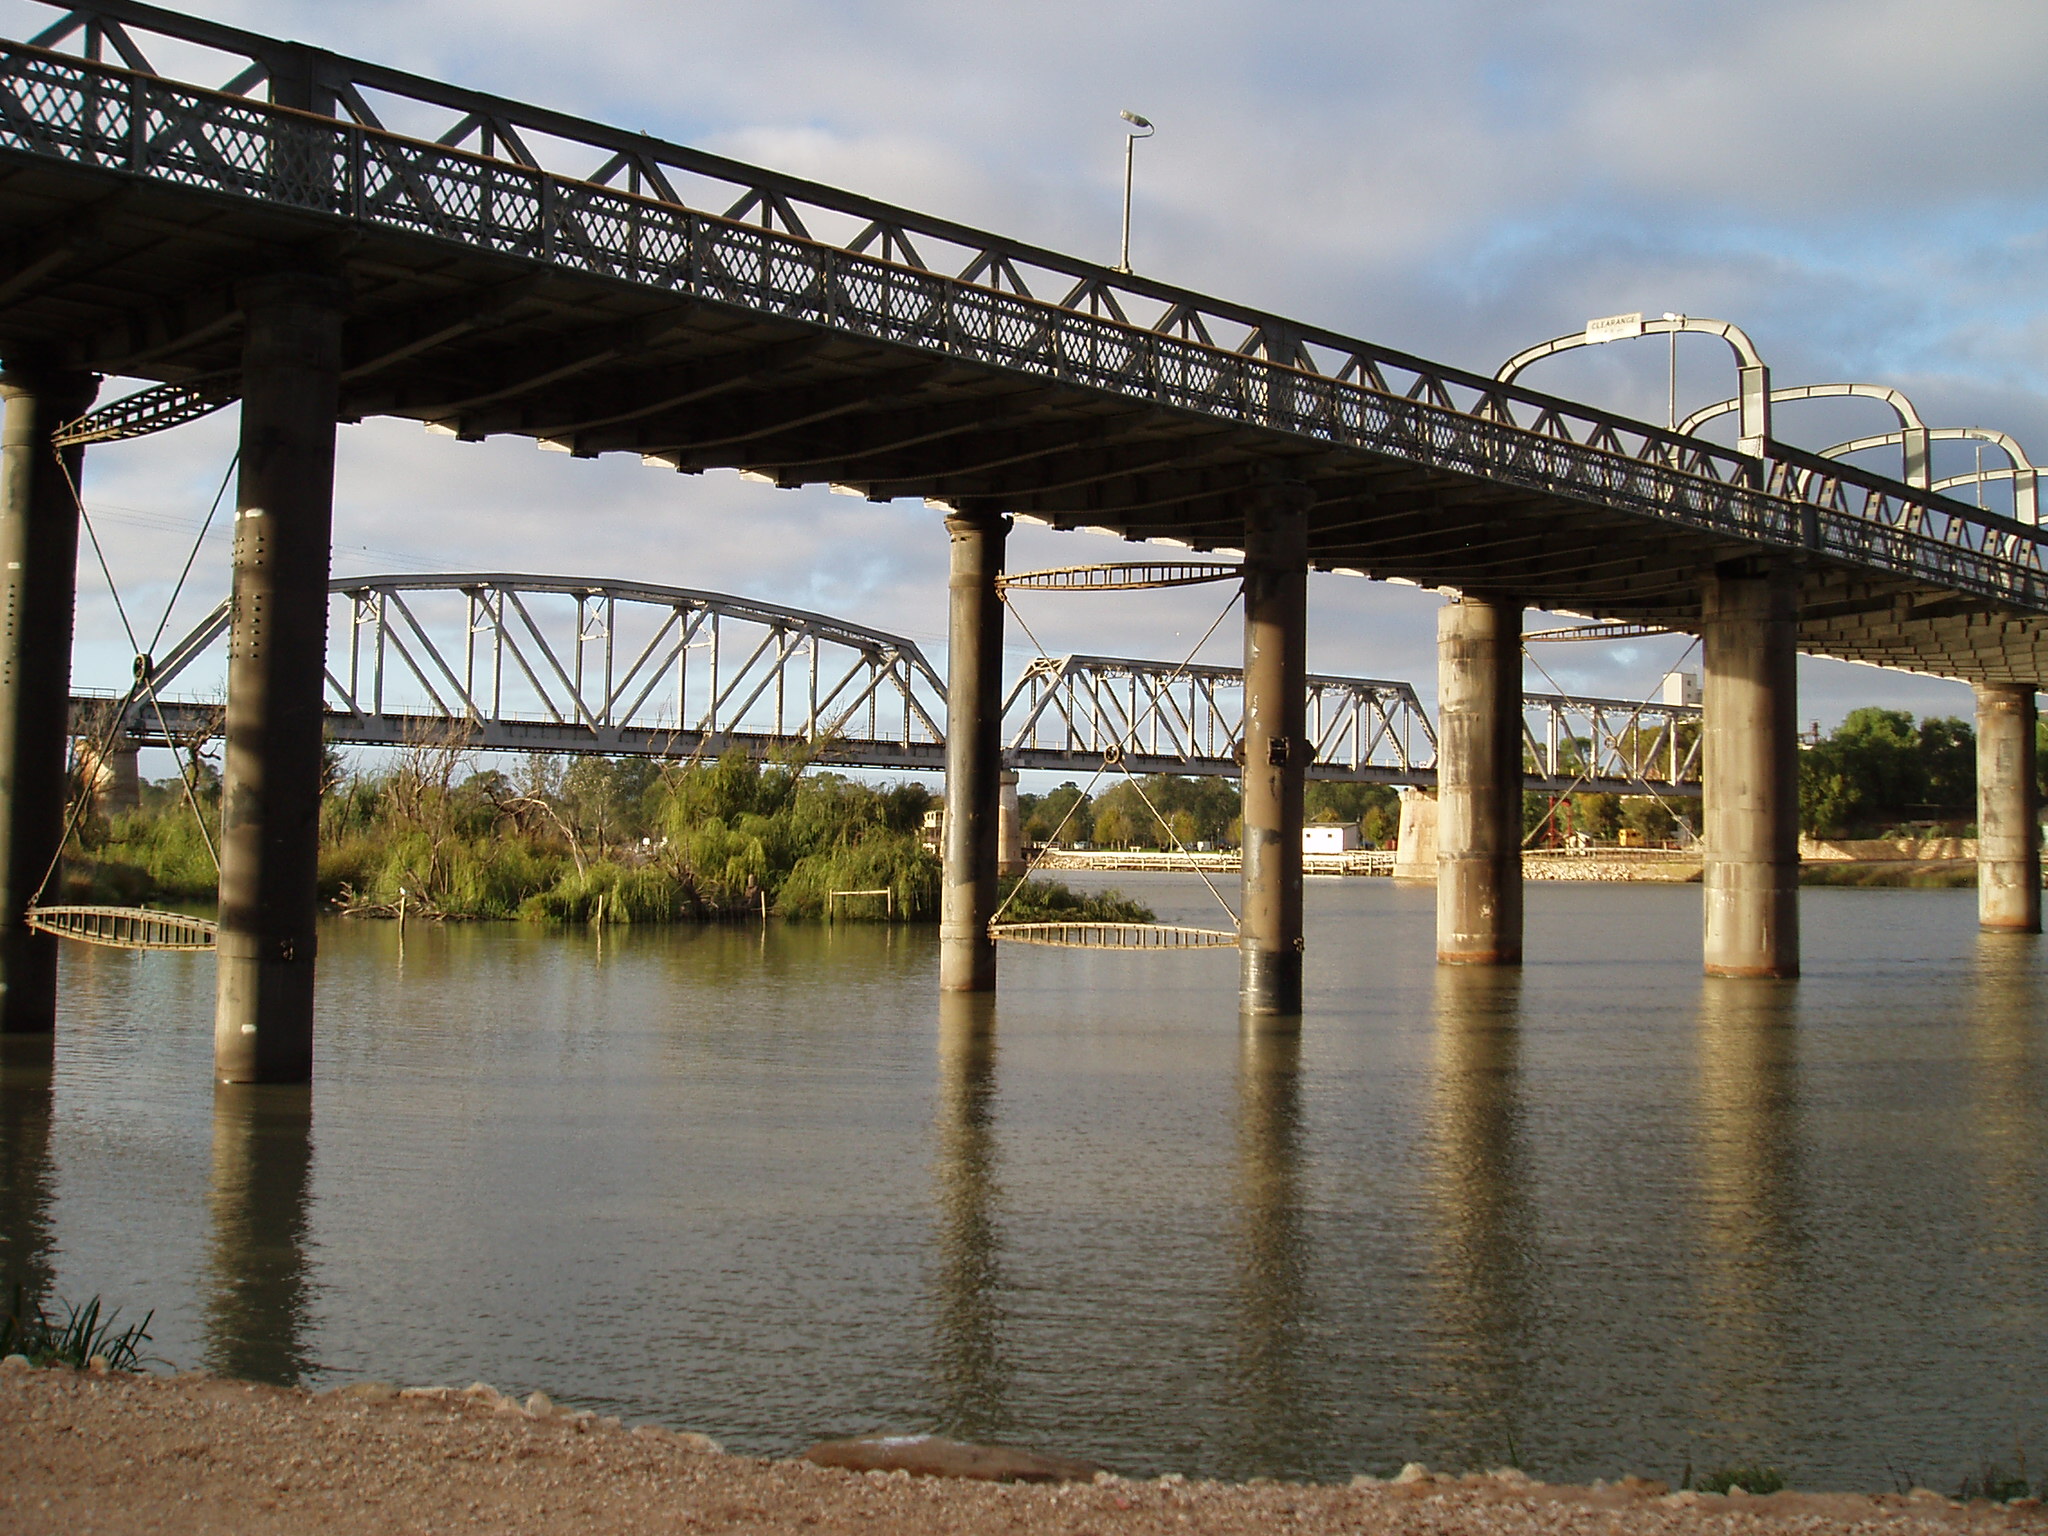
column 1651, row 818
column 1596, row 815
column 1044, row 814
column 1113, row 828
column 1877, row 769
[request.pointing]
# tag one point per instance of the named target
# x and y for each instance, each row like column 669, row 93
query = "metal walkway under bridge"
column 547, row 664
column 517, row 270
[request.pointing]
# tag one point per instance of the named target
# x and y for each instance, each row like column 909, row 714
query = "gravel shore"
column 84, row 1453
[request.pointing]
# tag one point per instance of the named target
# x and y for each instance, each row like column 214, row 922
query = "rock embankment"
column 100, row 1454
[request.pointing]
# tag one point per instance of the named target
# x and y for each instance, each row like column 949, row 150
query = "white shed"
column 1329, row 837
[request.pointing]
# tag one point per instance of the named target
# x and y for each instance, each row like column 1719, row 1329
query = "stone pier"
column 2008, row 810
column 1479, row 782
column 1750, row 771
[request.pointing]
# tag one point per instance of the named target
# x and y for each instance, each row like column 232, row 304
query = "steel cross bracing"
column 545, row 664
column 1419, row 469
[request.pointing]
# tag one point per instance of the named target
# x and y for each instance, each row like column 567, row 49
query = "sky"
column 1863, row 187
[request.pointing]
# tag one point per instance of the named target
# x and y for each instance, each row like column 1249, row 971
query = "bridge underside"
column 117, row 275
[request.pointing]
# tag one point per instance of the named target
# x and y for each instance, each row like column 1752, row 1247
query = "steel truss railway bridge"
column 241, row 218
column 498, row 663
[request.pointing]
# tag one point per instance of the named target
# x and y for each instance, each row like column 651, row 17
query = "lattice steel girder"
column 223, row 181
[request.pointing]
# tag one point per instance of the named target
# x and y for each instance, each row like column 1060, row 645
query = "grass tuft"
column 76, row 1339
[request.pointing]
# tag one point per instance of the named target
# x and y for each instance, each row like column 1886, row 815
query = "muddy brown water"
column 1601, row 1217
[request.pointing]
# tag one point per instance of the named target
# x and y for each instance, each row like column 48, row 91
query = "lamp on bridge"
column 1140, row 129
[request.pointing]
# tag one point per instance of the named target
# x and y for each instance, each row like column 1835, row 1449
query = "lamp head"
column 1133, row 118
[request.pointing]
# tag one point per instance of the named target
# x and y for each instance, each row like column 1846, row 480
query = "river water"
column 1602, row 1216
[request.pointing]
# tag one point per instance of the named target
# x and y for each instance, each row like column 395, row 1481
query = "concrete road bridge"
column 501, row 663
column 326, row 239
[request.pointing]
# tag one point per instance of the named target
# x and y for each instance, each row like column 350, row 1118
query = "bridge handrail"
column 1272, row 379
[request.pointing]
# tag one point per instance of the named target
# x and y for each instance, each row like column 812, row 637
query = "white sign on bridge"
column 1613, row 328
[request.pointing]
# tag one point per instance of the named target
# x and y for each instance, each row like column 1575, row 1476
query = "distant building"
column 1681, row 688
column 1329, row 837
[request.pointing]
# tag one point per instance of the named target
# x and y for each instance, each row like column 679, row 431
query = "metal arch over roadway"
column 1754, row 401
column 563, row 665
column 513, row 270
column 2023, row 473
column 1913, row 435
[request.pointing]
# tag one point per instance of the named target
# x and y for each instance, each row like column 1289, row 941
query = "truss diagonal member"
column 155, row 409
column 584, row 713
column 433, row 653
column 677, row 654
column 792, row 641
column 341, row 692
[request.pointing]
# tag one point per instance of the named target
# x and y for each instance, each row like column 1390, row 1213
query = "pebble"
column 1414, row 1472
column 17, row 1363
column 540, row 1405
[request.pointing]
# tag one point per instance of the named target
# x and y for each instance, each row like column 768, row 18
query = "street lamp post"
column 1140, row 129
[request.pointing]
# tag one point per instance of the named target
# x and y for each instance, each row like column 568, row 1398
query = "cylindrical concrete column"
column 38, row 591
column 1276, row 749
column 277, row 650
column 1479, row 782
column 974, row 761
column 2008, row 810
column 1750, row 778
column 1009, row 828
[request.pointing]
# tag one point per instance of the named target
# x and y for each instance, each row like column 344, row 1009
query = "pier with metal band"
column 504, row 269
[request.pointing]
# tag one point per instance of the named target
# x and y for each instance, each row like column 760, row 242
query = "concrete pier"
column 1479, row 782
column 1750, row 771
column 38, row 588
column 277, row 652
column 1276, row 749
column 2008, row 810
column 974, row 765
column 1009, row 828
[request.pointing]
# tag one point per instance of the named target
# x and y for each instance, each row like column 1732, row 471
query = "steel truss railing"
column 526, row 663
column 1611, row 741
column 795, row 249
column 1160, row 717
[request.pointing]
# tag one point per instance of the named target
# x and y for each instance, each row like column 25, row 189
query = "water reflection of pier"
column 972, row 1369
column 1484, row 1273
column 257, row 1291
column 27, row 1239
column 2007, row 1090
column 1749, row 1140
column 1273, row 1252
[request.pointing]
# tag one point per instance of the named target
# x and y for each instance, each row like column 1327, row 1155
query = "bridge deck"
column 492, row 297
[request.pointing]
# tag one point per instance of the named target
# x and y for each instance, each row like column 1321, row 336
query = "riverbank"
column 115, row 1454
